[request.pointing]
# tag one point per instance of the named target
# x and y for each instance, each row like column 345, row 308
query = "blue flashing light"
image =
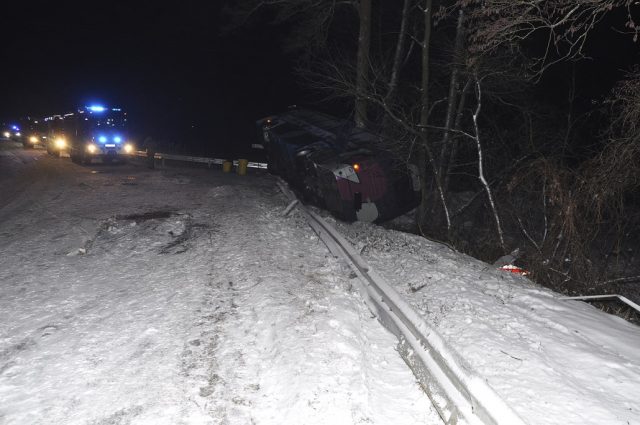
column 96, row 108
column 15, row 127
column 102, row 139
column 117, row 139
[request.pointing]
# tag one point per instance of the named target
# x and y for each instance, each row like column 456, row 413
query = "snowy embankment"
column 137, row 296
column 552, row 361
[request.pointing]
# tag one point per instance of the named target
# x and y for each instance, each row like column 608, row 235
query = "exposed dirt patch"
column 149, row 215
column 162, row 231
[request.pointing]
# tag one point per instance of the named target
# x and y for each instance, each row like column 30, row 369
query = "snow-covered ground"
column 184, row 296
column 136, row 296
column 553, row 361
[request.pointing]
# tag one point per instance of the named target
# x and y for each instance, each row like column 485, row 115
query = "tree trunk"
column 362, row 65
column 481, row 176
column 453, row 94
column 425, row 155
column 397, row 57
column 456, row 126
column 397, row 64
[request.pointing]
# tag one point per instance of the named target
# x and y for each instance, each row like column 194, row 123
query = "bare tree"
column 399, row 52
column 624, row 104
column 565, row 25
column 452, row 104
column 364, row 41
column 481, row 174
column 425, row 151
column 310, row 20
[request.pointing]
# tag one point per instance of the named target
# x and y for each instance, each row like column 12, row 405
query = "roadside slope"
column 132, row 296
column 553, row 361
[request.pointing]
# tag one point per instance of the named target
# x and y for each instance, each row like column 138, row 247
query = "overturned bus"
column 337, row 166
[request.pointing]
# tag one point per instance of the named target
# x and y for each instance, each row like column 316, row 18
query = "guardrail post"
column 151, row 158
column 242, row 167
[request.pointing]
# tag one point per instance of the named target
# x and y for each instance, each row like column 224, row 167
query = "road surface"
column 130, row 295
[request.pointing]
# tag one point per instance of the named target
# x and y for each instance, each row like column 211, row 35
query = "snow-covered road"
column 136, row 296
column 184, row 296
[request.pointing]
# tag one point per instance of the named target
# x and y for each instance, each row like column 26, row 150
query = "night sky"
column 179, row 76
column 184, row 80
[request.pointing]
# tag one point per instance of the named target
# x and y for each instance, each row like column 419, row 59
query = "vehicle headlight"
column 92, row 148
column 61, row 143
column 33, row 139
column 128, row 148
column 6, row 134
column 18, row 134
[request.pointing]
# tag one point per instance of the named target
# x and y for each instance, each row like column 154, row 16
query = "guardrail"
column 197, row 159
column 625, row 300
column 459, row 394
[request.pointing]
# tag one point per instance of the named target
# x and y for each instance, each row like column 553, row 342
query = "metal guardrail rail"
column 459, row 394
column 621, row 298
column 198, row 159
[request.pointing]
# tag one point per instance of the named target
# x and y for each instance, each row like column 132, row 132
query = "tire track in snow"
column 293, row 342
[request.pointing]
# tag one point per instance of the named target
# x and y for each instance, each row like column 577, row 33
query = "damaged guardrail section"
column 197, row 159
column 458, row 393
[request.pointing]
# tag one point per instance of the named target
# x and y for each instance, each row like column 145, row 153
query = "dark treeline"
column 520, row 115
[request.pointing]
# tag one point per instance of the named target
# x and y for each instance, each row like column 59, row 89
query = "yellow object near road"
column 226, row 166
column 242, row 167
